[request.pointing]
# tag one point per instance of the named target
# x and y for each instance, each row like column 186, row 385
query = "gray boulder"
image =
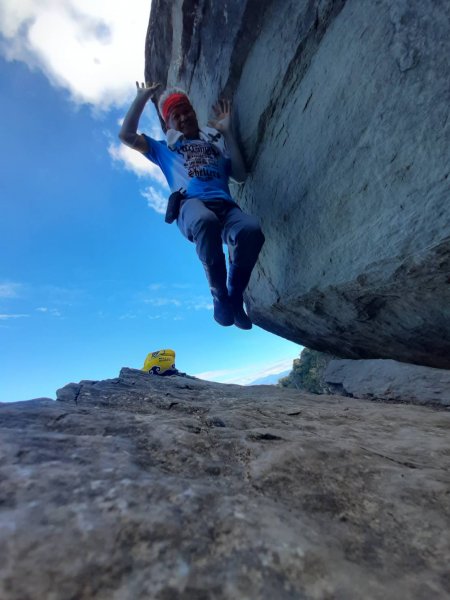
column 389, row 380
column 343, row 112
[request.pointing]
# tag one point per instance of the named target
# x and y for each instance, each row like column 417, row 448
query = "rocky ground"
column 174, row 488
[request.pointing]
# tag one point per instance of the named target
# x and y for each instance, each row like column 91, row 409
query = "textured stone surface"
column 342, row 108
column 174, row 488
column 389, row 380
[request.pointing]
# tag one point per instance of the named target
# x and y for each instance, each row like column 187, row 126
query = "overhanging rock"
column 342, row 108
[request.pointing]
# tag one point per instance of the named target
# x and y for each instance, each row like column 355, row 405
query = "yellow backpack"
column 161, row 362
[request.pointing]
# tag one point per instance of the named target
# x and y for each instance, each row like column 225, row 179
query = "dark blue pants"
column 211, row 223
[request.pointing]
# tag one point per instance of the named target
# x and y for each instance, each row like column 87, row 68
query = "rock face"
column 389, row 380
column 175, row 488
column 343, row 112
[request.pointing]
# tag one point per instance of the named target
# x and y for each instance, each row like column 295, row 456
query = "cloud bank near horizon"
column 246, row 375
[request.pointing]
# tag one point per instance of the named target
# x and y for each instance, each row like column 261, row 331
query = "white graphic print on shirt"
column 201, row 160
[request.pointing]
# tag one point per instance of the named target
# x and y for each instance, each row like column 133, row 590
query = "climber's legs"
column 200, row 225
column 245, row 239
column 207, row 224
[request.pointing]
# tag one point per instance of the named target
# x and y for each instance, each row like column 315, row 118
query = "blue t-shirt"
column 201, row 167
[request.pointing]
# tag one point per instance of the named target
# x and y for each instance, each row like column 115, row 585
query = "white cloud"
column 136, row 162
column 204, row 306
column 155, row 199
column 128, row 316
column 217, row 375
column 171, row 297
column 200, row 303
column 92, row 48
column 187, row 302
column 273, row 369
column 4, row 317
column 10, row 290
column 163, row 302
column 49, row 311
column 139, row 165
column 245, row 375
column 59, row 295
column 181, row 286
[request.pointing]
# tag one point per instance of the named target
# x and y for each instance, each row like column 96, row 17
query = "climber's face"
column 183, row 118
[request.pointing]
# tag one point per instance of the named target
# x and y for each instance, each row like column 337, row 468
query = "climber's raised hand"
column 222, row 120
column 146, row 90
column 222, row 123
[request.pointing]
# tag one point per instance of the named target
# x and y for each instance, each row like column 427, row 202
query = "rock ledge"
column 173, row 488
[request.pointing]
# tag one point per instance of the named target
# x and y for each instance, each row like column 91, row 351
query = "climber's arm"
column 222, row 123
column 128, row 133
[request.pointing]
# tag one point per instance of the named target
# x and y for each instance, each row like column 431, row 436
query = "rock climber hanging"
column 197, row 163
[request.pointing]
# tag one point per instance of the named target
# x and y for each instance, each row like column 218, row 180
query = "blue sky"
column 91, row 278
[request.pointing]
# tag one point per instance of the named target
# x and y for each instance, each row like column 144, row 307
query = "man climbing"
column 200, row 161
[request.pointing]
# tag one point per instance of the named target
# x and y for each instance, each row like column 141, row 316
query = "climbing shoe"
column 238, row 279
column 241, row 319
column 216, row 273
column 223, row 311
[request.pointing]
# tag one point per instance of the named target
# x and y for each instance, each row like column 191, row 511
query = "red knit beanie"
column 171, row 101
